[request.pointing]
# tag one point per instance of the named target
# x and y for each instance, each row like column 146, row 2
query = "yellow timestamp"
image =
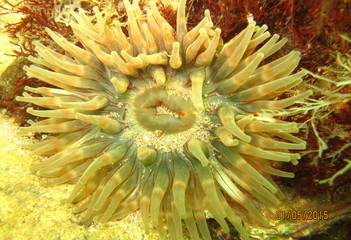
column 302, row 215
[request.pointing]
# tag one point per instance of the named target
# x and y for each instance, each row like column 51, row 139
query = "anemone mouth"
column 157, row 110
column 164, row 117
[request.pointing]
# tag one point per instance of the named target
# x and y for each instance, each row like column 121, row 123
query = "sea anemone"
column 172, row 122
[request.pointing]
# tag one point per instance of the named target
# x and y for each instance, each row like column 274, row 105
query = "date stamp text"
column 301, row 215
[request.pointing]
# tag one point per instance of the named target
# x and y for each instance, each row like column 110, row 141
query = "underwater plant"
column 175, row 123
